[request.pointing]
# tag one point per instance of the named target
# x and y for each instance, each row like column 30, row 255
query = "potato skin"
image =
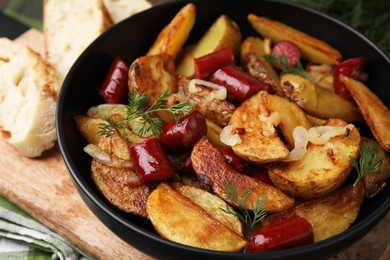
column 323, row 169
column 205, row 156
column 329, row 215
column 172, row 38
column 375, row 113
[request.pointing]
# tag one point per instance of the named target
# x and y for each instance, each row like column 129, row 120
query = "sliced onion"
column 320, row 135
column 301, row 140
column 95, row 152
column 269, row 123
column 229, row 136
column 220, row 91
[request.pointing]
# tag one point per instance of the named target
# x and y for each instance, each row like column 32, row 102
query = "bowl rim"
column 363, row 227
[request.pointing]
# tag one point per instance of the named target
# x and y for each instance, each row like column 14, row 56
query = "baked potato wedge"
column 172, row 38
column 312, row 49
column 329, row 215
column 259, row 140
column 121, row 186
column 98, row 115
column 153, row 75
column 223, row 33
column 177, row 218
column 89, row 128
column 205, row 156
column 376, row 114
column 252, row 59
column 322, row 170
column 291, row 115
column 212, row 205
column 318, row 101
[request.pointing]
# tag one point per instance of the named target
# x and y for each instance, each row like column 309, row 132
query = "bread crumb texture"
column 27, row 99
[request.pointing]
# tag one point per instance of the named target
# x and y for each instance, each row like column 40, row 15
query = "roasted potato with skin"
column 376, row 114
column 204, row 159
column 318, row 101
column 121, row 186
column 252, row 58
column 374, row 182
column 172, row 38
column 312, row 49
column 223, row 33
column 322, row 170
column 329, row 215
column 212, row 205
column 89, row 128
column 152, row 76
column 290, row 114
column 259, row 140
column 177, row 218
column 99, row 114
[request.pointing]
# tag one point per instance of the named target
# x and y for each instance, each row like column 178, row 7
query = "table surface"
column 375, row 245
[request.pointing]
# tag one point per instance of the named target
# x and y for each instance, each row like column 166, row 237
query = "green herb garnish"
column 369, row 160
column 138, row 110
column 282, row 62
column 250, row 219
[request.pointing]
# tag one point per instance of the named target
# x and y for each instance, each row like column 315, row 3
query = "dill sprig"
column 138, row 109
column 282, row 62
column 369, row 160
column 246, row 217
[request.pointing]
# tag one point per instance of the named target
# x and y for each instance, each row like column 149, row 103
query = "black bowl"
column 131, row 39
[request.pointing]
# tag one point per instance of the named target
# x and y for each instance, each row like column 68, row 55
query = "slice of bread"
column 121, row 9
column 69, row 27
column 27, row 99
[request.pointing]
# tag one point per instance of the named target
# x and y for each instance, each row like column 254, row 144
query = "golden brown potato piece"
column 204, row 159
column 374, row 182
column 172, row 38
column 259, row 140
column 99, row 114
column 223, row 33
column 212, row 205
column 329, row 215
column 376, row 114
column 89, row 128
column 252, row 58
column 312, row 49
column 153, row 75
column 121, row 186
column 322, row 170
column 290, row 114
column 177, row 218
column 318, row 101
column 216, row 110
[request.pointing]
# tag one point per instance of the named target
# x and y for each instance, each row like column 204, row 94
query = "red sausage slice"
column 292, row 232
column 288, row 49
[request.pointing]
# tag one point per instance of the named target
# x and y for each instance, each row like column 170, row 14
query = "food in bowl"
column 143, row 169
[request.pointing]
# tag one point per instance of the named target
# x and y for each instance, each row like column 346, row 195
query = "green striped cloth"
column 22, row 237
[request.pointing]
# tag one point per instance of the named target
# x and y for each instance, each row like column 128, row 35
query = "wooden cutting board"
column 43, row 188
